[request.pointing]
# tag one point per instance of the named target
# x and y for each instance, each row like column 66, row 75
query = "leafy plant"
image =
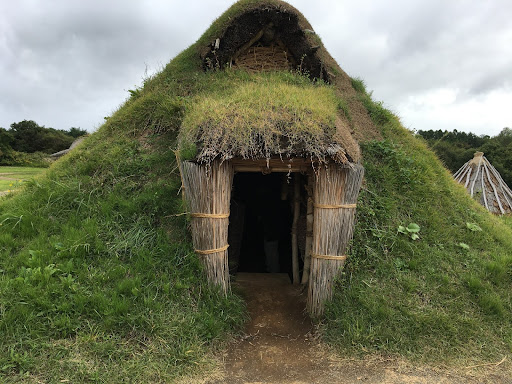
column 411, row 230
column 473, row 227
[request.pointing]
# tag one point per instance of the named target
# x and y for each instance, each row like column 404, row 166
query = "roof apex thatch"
column 484, row 183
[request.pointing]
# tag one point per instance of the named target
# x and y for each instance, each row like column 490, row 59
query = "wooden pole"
column 309, row 231
column 296, row 213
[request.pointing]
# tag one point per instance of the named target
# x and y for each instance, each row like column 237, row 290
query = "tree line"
column 27, row 142
column 456, row 148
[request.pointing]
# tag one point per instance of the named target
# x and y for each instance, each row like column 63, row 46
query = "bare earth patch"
column 279, row 346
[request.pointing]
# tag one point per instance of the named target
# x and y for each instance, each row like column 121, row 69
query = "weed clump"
column 97, row 277
column 431, row 289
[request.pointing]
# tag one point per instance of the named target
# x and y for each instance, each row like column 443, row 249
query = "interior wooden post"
column 295, row 241
column 309, row 230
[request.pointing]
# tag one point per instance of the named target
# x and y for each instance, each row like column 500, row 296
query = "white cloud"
column 445, row 109
column 70, row 62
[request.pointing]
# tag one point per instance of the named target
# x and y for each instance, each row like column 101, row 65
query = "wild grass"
column 21, row 172
column 253, row 116
column 444, row 297
column 507, row 220
column 98, row 281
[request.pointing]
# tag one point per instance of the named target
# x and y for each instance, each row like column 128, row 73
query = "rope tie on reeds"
column 328, row 257
column 211, row 251
column 338, row 206
column 210, row 215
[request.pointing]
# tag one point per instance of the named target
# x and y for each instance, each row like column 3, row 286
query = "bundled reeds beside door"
column 208, row 194
column 335, row 200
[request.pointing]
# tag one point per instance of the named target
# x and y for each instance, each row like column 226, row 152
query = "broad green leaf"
column 413, row 228
column 402, row 229
column 473, row 227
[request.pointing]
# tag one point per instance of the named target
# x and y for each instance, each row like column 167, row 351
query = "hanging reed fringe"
column 336, row 186
column 209, row 203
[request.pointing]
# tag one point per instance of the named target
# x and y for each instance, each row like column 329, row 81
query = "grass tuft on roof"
column 257, row 116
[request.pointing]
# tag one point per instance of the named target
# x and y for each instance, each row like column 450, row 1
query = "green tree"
column 505, row 137
column 455, row 148
column 30, row 137
column 6, row 141
column 76, row 132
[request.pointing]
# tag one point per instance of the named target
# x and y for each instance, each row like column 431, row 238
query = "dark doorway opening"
column 260, row 223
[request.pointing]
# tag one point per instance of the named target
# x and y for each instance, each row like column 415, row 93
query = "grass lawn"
column 13, row 177
column 507, row 220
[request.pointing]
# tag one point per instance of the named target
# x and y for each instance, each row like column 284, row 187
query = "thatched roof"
column 278, row 91
column 484, row 183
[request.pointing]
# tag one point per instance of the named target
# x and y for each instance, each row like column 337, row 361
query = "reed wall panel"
column 335, row 195
column 208, row 195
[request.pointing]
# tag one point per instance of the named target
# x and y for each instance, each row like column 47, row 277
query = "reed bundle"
column 258, row 59
column 335, row 197
column 208, row 194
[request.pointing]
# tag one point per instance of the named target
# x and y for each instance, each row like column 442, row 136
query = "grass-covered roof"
column 260, row 116
column 99, row 281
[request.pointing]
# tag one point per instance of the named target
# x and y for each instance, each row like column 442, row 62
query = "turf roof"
column 260, row 116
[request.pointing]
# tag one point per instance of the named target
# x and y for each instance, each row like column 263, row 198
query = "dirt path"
column 279, row 347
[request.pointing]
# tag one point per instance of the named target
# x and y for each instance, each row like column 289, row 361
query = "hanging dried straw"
column 208, row 194
column 335, row 197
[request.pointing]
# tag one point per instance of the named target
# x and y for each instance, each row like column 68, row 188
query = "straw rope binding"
column 329, row 257
column 210, row 215
column 340, row 206
column 211, row 251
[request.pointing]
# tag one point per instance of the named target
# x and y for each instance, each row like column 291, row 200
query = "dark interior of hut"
column 265, row 40
column 260, row 223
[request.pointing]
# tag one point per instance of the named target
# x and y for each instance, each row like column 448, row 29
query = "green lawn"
column 507, row 220
column 13, row 177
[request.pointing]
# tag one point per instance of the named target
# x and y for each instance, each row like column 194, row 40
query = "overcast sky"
column 438, row 64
